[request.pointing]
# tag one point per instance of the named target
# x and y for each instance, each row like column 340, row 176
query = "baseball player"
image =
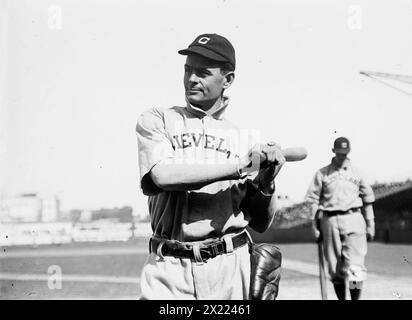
column 202, row 190
column 341, row 201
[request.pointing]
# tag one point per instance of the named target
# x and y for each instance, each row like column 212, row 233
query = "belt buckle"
column 205, row 254
column 214, row 249
column 209, row 251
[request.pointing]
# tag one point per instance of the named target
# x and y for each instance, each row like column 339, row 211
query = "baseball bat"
column 294, row 154
column 322, row 274
column 291, row 155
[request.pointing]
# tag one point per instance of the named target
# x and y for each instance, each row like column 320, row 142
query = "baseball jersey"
column 339, row 189
column 189, row 135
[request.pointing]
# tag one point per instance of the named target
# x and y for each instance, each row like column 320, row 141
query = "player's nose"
column 192, row 77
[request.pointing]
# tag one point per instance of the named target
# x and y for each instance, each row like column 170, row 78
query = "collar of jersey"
column 345, row 164
column 218, row 114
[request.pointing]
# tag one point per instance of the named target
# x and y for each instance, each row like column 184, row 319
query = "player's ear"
column 229, row 78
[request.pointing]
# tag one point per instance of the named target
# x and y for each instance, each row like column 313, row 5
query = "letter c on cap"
column 203, row 40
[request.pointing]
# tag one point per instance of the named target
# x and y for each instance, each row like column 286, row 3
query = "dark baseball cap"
column 341, row 145
column 212, row 46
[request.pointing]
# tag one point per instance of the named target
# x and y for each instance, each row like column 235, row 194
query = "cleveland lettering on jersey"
column 202, row 140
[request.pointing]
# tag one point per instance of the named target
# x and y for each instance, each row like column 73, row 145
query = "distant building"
column 29, row 208
column 123, row 214
column 86, row 216
column 393, row 212
column 24, row 208
column 50, row 209
column 75, row 215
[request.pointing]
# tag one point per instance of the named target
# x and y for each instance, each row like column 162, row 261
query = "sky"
column 75, row 75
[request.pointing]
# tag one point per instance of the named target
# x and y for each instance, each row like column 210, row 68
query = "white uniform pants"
column 345, row 244
column 225, row 277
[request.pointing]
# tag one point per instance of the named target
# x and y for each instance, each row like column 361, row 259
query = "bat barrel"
column 294, row 154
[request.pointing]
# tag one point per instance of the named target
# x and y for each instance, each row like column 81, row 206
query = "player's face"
column 203, row 81
column 340, row 157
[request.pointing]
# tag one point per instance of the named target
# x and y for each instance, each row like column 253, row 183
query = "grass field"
column 112, row 271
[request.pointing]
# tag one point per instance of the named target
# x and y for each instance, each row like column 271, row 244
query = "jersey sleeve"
column 315, row 188
column 153, row 146
column 365, row 189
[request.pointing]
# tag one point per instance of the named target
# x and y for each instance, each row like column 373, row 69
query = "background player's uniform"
column 221, row 208
column 340, row 194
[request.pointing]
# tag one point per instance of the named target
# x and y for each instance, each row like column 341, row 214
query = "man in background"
column 341, row 206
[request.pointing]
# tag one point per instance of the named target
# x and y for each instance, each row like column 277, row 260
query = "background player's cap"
column 212, row 46
column 341, row 145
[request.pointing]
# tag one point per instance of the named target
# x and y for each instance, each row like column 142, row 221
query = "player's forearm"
column 268, row 204
column 179, row 177
column 261, row 207
column 265, row 206
column 368, row 212
column 266, row 179
column 263, row 202
column 314, row 207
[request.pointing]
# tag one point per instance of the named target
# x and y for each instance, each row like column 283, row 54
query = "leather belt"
column 185, row 249
column 339, row 212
